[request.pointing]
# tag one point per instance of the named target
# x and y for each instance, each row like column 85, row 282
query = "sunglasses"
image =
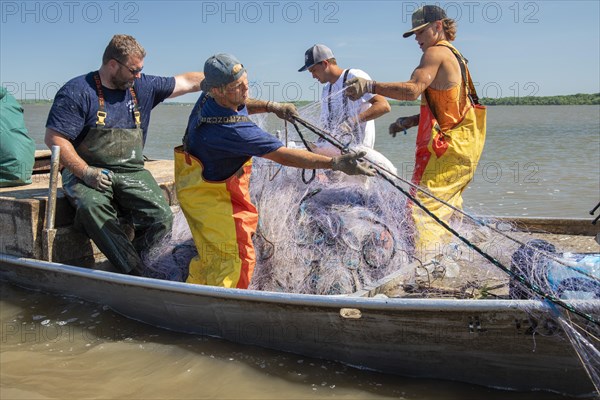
column 133, row 71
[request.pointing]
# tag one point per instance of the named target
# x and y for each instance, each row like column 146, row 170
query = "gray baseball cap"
column 221, row 69
column 424, row 16
column 316, row 54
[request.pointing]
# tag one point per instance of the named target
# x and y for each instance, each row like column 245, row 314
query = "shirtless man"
column 451, row 124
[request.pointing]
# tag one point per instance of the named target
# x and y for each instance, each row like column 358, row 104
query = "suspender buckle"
column 138, row 119
column 101, row 115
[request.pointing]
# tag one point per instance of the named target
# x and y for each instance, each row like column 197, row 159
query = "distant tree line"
column 567, row 100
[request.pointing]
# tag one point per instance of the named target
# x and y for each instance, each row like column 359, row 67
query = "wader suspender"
column 232, row 119
column 466, row 76
column 344, row 104
column 101, row 115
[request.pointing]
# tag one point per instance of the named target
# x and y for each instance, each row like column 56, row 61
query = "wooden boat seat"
column 23, row 213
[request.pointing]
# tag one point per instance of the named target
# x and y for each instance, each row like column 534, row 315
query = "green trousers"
column 134, row 196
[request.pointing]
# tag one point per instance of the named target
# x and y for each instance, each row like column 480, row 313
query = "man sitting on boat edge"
column 100, row 121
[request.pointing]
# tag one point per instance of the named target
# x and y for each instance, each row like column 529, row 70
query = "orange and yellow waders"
column 222, row 220
column 445, row 161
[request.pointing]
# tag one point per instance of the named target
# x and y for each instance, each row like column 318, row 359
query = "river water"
column 538, row 161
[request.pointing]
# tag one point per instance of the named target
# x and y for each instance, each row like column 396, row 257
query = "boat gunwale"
column 297, row 299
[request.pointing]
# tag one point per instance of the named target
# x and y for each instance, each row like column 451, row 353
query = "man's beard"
column 120, row 84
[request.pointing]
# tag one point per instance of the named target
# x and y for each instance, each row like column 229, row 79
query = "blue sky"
column 515, row 48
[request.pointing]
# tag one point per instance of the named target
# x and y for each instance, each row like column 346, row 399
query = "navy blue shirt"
column 224, row 148
column 75, row 105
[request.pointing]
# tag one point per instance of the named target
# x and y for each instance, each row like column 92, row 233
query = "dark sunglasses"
column 133, row 71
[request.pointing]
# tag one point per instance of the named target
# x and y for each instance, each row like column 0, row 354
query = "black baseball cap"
column 424, row 16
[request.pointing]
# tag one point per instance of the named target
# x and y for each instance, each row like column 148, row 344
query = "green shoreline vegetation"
column 579, row 99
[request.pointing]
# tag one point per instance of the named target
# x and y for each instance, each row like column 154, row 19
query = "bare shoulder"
column 438, row 53
column 448, row 67
column 436, row 68
column 432, row 57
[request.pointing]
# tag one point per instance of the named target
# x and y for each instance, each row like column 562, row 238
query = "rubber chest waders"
column 445, row 163
column 134, row 194
column 221, row 217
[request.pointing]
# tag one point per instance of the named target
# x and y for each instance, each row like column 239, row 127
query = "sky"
column 515, row 48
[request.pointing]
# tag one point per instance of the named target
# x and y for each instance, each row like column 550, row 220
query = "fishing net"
column 325, row 232
column 335, row 235
column 170, row 259
column 328, row 233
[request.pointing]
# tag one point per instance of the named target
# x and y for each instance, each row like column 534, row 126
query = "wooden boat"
column 500, row 343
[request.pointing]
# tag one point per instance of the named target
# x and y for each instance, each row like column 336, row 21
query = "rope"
column 520, row 278
column 323, row 134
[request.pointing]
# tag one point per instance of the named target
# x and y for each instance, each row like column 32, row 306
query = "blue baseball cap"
column 221, row 69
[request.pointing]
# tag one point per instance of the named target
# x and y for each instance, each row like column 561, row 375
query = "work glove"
column 349, row 164
column 97, row 178
column 285, row 111
column 398, row 126
column 357, row 87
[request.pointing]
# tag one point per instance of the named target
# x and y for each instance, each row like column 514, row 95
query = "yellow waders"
column 445, row 163
column 222, row 220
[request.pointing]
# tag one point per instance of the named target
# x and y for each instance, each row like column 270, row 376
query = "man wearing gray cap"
column 213, row 167
column 451, row 123
column 350, row 121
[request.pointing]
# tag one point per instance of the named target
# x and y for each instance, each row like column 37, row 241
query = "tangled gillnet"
column 335, row 235
column 170, row 259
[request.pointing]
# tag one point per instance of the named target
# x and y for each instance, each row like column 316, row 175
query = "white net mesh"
column 334, row 234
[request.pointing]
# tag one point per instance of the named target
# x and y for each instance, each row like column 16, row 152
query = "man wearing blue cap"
column 451, row 123
column 213, row 167
column 350, row 121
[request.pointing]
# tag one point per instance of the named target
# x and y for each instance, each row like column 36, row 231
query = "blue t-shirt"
column 75, row 106
column 224, row 148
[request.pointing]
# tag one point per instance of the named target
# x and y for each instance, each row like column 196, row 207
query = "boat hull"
column 485, row 342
